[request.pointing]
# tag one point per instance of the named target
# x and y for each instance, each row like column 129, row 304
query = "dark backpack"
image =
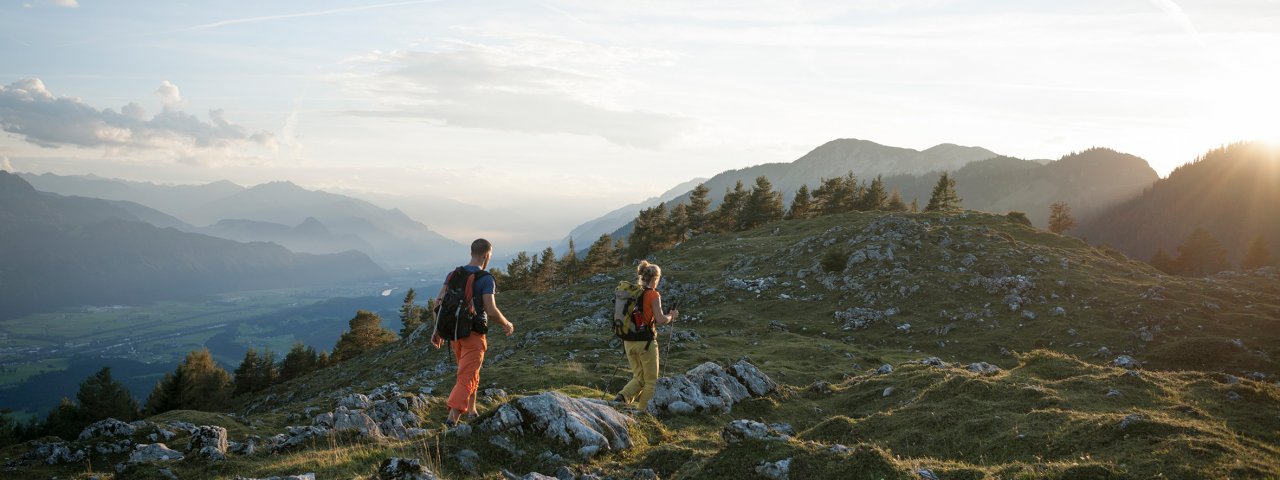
column 456, row 316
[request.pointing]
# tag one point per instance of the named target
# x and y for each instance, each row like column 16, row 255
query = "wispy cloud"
column 522, row 86
column 285, row 16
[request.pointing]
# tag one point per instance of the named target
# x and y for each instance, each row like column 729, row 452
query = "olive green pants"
column 644, row 371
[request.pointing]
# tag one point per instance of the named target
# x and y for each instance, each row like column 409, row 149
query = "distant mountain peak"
column 12, row 184
column 311, row 226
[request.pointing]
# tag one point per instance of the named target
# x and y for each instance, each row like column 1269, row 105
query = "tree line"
column 1202, row 254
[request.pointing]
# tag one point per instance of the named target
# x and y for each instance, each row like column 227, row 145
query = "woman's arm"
column 660, row 318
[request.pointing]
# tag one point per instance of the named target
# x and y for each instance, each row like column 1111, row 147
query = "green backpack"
column 628, row 312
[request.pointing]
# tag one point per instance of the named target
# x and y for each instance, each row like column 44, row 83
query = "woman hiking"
column 642, row 349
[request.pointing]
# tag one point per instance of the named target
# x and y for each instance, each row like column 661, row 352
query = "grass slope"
column 1204, row 405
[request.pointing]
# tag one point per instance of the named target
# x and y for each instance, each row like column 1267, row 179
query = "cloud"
column 5, row 165
column 530, row 86
column 54, row 3
column 169, row 95
column 29, row 109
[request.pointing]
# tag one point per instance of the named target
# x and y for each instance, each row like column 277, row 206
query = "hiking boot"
column 449, row 423
column 620, row 398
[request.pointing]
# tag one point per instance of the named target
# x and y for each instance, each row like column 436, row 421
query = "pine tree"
column 545, row 279
column 1201, row 255
column 167, row 394
column 1164, row 263
column 518, row 272
column 246, row 375
column 208, row 387
column 648, row 232
column 801, row 204
column 1258, row 255
column 895, row 203
column 324, row 359
column 677, row 225
column 599, row 256
column 915, row 205
column 300, row 361
column 725, row 217
column 763, row 205
column 267, row 374
column 101, row 397
column 366, row 334
column 944, row 198
column 619, row 253
column 410, row 315
column 875, row 197
column 836, row 195
column 1060, row 219
column 65, row 420
column 570, row 267
column 699, row 206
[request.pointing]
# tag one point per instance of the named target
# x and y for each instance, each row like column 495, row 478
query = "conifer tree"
column 545, row 279
column 895, row 203
column 1060, row 219
column 410, row 315
column 246, row 375
column 570, row 266
column 1201, row 255
column 875, row 197
column 677, row 225
column 1258, row 255
column 101, row 397
column 763, row 205
column 366, row 334
column 699, row 207
column 518, row 272
column 915, row 205
column 300, row 361
column 944, row 198
column 619, row 253
column 324, row 359
column 837, row 195
column 801, row 204
column 1164, row 263
column 65, row 420
column 726, row 217
column 599, row 255
column 267, row 374
column 167, row 394
column 648, row 232
column 207, row 387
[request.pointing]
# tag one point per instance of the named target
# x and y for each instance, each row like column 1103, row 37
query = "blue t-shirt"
column 484, row 285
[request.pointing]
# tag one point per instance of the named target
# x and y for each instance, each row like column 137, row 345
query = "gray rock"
column 212, row 453
column 1233, row 395
column 709, row 387
column 1058, row 312
column 779, row 470
column 355, row 421
column 742, row 429
column 462, row 430
column 575, row 420
column 926, row 474
column 304, row 476
column 154, row 452
column 469, row 460
column 1125, row 361
column 208, row 436
column 884, row 369
column 109, row 428
column 355, row 401
column 565, row 473
column 54, row 453
column 166, row 473
column 1113, row 393
column 1130, row 419
column 887, row 391
column 588, row 452
column 506, row 418
column 404, row 469
column 756, row 381
column 983, row 368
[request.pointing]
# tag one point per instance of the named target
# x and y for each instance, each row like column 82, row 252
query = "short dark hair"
column 481, row 247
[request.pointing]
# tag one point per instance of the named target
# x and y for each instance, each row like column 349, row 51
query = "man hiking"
column 641, row 345
column 463, row 320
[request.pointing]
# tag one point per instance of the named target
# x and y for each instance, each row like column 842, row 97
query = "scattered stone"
column 166, row 473
column 983, row 368
column 887, row 391
column 212, row 453
column 779, row 470
column 884, row 369
column 569, row 420
column 1130, row 419
column 211, row 436
column 346, row 420
column 1125, row 361
column 776, row 326
column 743, row 429
column 1233, row 396
column 462, row 430
column 469, row 460
column 933, row 362
column 926, row 474
column 404, row 469
column 709, row 387
column 904, row 328
column 154, row 452
column 355, row 401
column 821, row 386
column 861, row 317
column 304, row 476
column 54, row 453
column 109, row 428
column 527, row 476
column 1230, row 379
column 1113, row 393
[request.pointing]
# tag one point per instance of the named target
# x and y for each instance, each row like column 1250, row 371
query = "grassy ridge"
column 1056, row 409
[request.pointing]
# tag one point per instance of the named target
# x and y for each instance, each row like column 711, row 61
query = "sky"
column 549, row 113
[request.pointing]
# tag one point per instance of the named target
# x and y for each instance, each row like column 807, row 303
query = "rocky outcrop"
column 404, row 469
column 154, row 452
column 54, row 453
column 108, row 428
column 710, row 387
column 591, row 425
column 209, row 441
column 742, row 429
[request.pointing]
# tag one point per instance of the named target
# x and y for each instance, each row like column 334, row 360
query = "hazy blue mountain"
column 310, row 236
column 61, row 251
column 1233, row 192
column 176, row 200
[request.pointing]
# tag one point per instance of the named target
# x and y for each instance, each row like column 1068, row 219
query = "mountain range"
column 59, row 251
column 272, row 212
column 1233, row 192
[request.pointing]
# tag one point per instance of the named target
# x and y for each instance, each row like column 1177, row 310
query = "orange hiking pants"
column 469, row 351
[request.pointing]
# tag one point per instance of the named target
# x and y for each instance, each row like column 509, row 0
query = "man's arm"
column 491, row 309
